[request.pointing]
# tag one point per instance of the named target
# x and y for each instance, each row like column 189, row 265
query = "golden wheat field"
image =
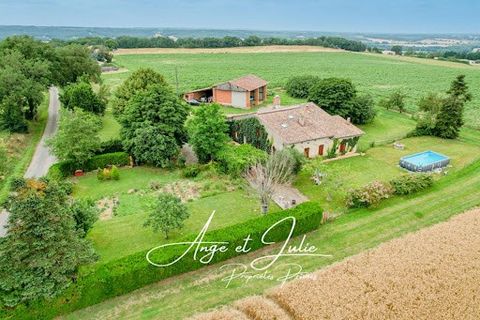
column 431, row 274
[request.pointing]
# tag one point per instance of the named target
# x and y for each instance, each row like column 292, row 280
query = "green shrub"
column 299, row 86
column 67, row 168
column 411, row 183
column 115, row 173
column 191, row 171
column 132, row 272
column 369, row 195
column 110, row 146
column 100, row 175
column 235, row 160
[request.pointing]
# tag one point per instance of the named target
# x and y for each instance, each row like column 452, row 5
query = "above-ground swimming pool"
column 424, row 161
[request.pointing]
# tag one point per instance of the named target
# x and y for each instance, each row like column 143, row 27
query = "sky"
column 381, row 16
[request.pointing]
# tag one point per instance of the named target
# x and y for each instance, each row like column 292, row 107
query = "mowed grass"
column 124, row 234
column 381, row 163
column 374, row 74
column 110, row 127
column 347, row 235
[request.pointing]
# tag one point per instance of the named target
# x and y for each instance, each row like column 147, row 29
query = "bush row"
column 132, row 272
column 67, row 168
column 374, row 192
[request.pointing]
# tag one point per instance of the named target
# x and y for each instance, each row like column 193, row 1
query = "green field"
column 375, row 74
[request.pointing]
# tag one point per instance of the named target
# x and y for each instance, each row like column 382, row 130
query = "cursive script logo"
column 205, row 251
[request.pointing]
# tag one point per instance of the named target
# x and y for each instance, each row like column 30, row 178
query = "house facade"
column 244, row 92
column 310, row 130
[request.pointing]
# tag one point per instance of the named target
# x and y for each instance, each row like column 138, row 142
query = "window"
column 260, row 94
column 306, row 152
column 320, row 149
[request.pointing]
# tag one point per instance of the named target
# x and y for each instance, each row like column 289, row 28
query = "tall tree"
column 153, row 125
column 333, row 95
column 207, row 131
column 450, row 117
column 43, row 249
column 77, row 137
column 137, row 82
column 74, row 62
column 81, row 95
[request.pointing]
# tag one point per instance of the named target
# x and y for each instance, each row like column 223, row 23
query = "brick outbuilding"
column 244, row 92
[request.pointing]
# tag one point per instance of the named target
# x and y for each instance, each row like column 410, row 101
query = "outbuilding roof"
column 249, row 82
column 306, row 122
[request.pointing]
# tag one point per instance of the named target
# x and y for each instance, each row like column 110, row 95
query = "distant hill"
column 68, row 33
column 428, row 42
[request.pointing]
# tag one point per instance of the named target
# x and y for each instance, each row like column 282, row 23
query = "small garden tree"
column 395, row 101
column 265, row 176
column 153, row 125
column 43, row 248
column 168, row 213
column 443, row 117
column 77, row 137
column 81, row 95
column 207, row 131
column 450, row 116
column 299, row 86
column 362, row 111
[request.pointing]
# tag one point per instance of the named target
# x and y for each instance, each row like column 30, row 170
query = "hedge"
column 67, row 168
column 124, row 275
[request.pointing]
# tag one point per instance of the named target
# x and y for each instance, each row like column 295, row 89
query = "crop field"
column 377, row 75
column 430, row 274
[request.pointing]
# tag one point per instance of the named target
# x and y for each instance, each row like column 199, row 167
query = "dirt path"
column 42, row 158
column 259, row 49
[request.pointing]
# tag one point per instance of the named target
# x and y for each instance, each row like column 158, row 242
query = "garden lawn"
column 89, row 186
column 377, row 75
column 381, row 163
column 110, row 127
column 124, row 235
column 347, row 235
column 387, row 127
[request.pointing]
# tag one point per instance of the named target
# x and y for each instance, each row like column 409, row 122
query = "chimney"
column 276, row 102
column 301, row 117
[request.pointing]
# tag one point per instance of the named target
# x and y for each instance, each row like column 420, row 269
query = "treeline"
column 28, row 67
column 211, row 42
column 447, row 55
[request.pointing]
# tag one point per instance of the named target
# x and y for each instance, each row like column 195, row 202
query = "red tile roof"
column 249, row 82
column 306, row 122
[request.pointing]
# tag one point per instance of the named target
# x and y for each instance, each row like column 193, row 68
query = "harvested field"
column 431, row 274
column 262, row 49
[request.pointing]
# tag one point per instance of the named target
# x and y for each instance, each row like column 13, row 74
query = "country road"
column 42, row 158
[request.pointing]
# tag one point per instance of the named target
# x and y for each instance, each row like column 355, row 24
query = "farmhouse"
column 244, row 92
column 310, row 130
